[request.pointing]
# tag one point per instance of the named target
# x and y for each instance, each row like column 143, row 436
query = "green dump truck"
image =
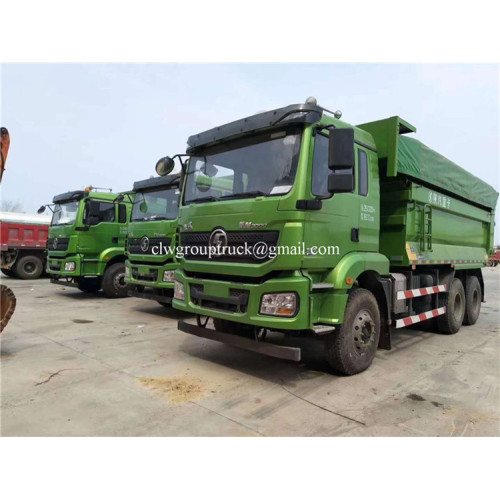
column 151, row 241
column 86, row 242
column 294, row 221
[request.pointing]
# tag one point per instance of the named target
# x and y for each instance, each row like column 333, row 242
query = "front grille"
column 237, row 302
column 245, row 240
column 159, row 244
column 151, row 276
column 57, row 244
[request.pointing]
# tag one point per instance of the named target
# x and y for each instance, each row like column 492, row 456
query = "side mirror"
column 341, row 149
column 164, row 166
column 203, row 183
column 119, row 198
column 41, row 209
column 341, row 181
column 143, row 207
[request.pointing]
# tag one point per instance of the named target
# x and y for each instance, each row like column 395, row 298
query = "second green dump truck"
column 86, row 242
column 151, row 240
column 295, row 221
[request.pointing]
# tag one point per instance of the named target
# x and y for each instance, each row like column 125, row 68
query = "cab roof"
column 172, row 180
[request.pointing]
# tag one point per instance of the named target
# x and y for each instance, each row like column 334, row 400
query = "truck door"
column 331, row 226
column 368, row 194
column 103, row 230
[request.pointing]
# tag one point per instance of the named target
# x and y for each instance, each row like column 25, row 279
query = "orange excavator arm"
column 7, row 297
column 4, row 149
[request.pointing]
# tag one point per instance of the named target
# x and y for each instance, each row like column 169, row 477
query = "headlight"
column 178, row 290
column 168, row 276
column 69, row 266
column 279, row 304
column 127, row 271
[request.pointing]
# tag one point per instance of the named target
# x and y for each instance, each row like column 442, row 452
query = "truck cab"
column 86, row 242
column 151, row 241
column 282, row 229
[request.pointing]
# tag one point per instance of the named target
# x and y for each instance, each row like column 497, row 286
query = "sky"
column 106, row 125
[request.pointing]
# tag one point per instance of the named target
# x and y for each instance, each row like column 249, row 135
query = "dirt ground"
column 80, row 365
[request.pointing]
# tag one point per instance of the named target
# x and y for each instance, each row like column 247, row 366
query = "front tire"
column 8, row 272
column 451, row 321
column 472, row 300
column 351, row 349
column 113, row 283
column 29, row 267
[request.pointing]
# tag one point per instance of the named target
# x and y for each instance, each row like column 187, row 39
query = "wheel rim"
column 29, row 267
column 119, row 281
column 363, row 332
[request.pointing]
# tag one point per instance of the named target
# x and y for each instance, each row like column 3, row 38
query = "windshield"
column 64, row 213
column 156, row 205
column 257, row 166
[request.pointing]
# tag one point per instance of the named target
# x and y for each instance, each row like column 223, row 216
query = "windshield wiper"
column 248, row 194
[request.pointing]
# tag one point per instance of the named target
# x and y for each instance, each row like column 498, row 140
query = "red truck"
column 494, row 259
column 23, row 241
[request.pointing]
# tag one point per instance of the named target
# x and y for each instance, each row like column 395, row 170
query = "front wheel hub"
column 363, row 331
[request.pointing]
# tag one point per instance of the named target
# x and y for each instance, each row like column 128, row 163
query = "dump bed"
column 432, row 210
column 23, row 230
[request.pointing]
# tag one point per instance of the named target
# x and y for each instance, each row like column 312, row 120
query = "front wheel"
column 8, row 272
column 113, row 283
column 351, row 349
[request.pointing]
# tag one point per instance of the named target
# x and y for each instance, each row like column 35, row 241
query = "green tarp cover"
column 420, row 162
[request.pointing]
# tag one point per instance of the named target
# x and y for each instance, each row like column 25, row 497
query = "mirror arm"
column 181, row 161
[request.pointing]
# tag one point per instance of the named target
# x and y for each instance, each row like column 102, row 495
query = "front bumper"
column 149, row 275
column 223, row 300
column 255, row 345
column 159, row 294
column 56, row 265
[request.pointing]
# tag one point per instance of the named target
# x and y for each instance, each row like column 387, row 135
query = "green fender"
column 353, row 264
column 109, row 254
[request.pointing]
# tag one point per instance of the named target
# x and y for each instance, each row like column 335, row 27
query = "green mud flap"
column 276, row 351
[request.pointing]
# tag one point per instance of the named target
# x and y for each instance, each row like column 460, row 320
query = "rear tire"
column 351, row 349
column 472, row 300
column 451, row 321
column 28, row 267
column 89, row 285
column 8, row 272
column 113, row 283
